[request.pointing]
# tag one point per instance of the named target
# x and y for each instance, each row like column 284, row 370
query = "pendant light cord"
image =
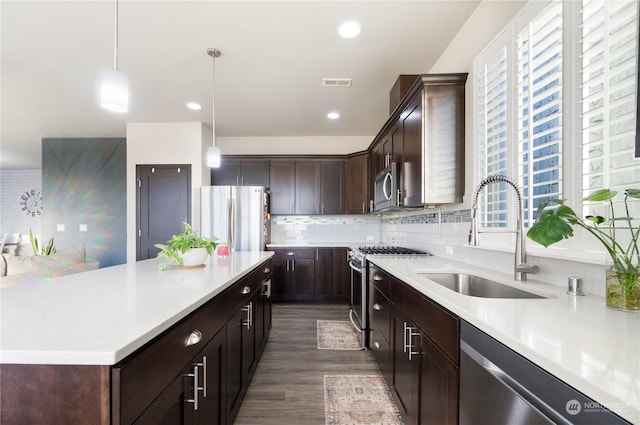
column 214, row 53
column 115, row 39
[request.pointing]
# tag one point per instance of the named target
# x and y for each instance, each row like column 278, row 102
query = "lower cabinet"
column 310, row 274
column 416, row 345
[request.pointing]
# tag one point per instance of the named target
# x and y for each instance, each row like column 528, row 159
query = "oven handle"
column 356, row 268
column 353, row 322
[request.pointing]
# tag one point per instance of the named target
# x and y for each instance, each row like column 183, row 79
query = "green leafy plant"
column 182, row 242
column 48, row 249
column 555, row 222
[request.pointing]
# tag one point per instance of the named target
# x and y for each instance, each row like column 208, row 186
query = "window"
column 556, row 95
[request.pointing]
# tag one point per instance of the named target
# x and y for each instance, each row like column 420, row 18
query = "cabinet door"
column 254, row 173
column 405, row 364
column 341, row 276
column 307, row 198
column 357, row 185
column 323, row 289
column 249, row 334
column 302, row 279
column 280, row 280
column 332, row 187
column 234, row 365
column 282, row 187
column 412, row 153
column 170, row 408
column 439, row 379
column 228, row 174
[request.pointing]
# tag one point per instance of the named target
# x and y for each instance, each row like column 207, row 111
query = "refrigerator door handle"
column 232, row 234
column 229, row 224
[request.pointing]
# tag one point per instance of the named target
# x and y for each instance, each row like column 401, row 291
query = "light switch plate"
column 82, row 228
column 60, row 227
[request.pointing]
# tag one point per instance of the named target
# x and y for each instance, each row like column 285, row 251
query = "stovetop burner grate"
column 389, row 250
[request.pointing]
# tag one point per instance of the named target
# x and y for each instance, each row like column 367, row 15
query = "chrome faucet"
column 521, row 268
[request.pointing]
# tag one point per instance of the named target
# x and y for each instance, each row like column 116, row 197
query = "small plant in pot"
column 187, row 248
column 620, row 238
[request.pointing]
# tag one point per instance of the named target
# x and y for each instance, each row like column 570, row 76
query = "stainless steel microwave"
column 387, row 188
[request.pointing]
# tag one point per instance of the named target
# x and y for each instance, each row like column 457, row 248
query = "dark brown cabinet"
column 310, row 274
column 416, row 345
column 241, row 172
column 357, row 192
column 293, row 274
column 308, row 187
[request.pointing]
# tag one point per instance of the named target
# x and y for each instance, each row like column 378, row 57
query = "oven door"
column 357, row 296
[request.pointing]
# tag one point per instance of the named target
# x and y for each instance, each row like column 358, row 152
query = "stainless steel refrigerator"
column 237, row 216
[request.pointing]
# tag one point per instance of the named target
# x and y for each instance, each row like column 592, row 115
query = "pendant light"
column 114, row 85
column 213, row 152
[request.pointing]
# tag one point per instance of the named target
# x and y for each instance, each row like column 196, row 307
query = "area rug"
column 358, row 400
column 337, row 335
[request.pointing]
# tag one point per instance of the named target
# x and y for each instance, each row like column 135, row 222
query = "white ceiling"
column 268, row 79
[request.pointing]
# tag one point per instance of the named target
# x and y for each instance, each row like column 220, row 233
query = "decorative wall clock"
column 31, row 202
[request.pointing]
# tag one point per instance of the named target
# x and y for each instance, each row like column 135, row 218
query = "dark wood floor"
column 288, row 387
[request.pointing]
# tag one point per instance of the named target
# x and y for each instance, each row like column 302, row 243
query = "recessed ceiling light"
column 349, row 29
column 194, row 106
column 333, row 115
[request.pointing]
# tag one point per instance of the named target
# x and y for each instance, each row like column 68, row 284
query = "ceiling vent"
column 336, row 82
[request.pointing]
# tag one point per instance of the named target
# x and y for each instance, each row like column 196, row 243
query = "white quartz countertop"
column 315, row 245
column 101, row 316
column 591, row 347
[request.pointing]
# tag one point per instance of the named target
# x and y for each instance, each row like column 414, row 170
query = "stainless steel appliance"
column 499, row 386
column 359, row 300
column 387, row 188
column 236, row 215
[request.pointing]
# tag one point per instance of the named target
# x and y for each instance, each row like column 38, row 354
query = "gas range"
column 358, row 256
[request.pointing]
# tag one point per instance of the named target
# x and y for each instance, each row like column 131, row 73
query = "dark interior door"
column 164, row 203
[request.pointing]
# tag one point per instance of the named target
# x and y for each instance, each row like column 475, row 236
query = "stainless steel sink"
column 476, row 286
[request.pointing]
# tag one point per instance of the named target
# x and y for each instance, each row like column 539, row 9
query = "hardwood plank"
column 288, row 387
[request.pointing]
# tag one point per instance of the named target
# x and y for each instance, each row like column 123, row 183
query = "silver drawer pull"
column 267, row 270
column 291, row 253
column 246, row 290
column 377, row 277
column 377, row 307
column 376, row 345
column 193, row 338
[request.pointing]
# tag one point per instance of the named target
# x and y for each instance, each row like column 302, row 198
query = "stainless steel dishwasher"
column 499, row 386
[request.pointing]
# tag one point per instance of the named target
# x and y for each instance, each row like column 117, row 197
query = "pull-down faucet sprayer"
column 521, row 268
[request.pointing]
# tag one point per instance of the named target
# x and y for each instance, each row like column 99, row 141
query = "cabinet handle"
column 267, row 270
column 377, row 307
column 287, row 266
column 377, row 277
column 249, row 310
column 363, row 210
column 293, row 265
column 204, row 376
column 316, row 254
column 404, row 338
column 291, row 253
column 409, row 333
column 196, row 386
column 376, row 345
column 246, row 290
column 193, row 338
column 266, row 288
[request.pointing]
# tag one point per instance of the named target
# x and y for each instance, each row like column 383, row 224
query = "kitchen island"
column 104, row 330
column 577, row 339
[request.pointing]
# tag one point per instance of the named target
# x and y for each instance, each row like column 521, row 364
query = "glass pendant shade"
column 114, row 91
column 213, row 157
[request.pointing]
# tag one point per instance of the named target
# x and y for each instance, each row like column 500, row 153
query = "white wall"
column 165, row 143
column 307, row 145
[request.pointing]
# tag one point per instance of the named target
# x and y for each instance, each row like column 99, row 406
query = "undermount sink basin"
column 476, row 286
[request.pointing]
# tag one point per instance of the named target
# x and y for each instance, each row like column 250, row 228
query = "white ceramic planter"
column 195, row 257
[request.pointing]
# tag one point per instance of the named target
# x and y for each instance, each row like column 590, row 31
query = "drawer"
column 382, row 354
column 379, row 314
column 379, row 279
column 295, row 253
column 138, row 380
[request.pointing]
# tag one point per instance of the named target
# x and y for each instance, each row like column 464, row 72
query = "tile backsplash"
column 325, row 229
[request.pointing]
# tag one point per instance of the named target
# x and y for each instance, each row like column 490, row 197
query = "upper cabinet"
column 308, row 186
column 241, row 172
column 358, row 184
column 425, row 136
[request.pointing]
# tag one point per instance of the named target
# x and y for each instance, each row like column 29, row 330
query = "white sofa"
column 15, row 270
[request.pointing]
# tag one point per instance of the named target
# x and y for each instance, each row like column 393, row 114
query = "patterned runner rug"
column 337, row 335
column 358, row 400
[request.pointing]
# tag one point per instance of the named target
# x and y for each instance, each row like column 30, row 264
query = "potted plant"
column 187, row 248
column 623, row 276
column 47, row 249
